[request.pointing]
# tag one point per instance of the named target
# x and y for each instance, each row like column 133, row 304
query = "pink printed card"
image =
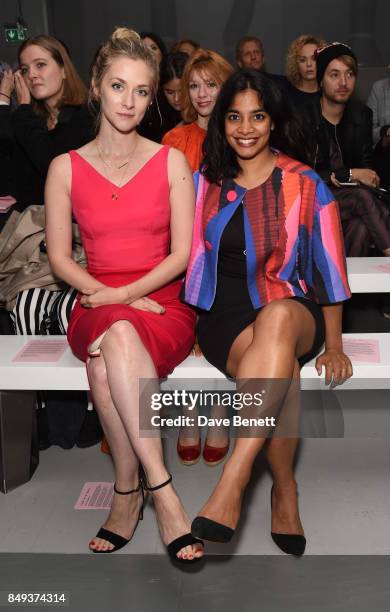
column 42, row 351
column 95, row 496
column 385, row 267
column 362, row 350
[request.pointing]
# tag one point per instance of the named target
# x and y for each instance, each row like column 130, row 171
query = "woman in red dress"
column 133, row 200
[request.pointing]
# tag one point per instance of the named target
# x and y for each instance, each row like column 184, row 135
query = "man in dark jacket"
column 338, row 137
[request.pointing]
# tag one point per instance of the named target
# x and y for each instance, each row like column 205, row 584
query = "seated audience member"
column 164, row 113
column 6, row 139
column 338, row 136
column 6, row 146
column 250, row 54
column 379, row 102
column 137, row 235
column 155, row 44
column 301, row 69
column 186, row 45
column 51, row 118
column 203, row 76
column 267, row 232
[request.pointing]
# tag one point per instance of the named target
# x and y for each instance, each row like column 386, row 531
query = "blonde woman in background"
column 301, row 69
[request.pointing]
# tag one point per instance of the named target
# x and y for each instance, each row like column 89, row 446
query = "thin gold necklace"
column 109, row 163
column 124, row 164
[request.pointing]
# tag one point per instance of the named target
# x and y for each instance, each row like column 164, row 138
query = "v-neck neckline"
column 119, row 188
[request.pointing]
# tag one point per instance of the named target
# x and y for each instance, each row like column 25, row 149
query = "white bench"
column 70, row 374
column 19, row 381
column 365, row 276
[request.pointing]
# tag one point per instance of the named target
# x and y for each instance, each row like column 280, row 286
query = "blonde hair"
column 349, row 61
column 294, row 50
column 122, row 43
column 202, row 60
column 74, row 92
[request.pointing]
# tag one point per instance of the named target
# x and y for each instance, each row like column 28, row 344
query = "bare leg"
column 265, row 350
column 125, row 508
column 280, row 452
column 126, row 361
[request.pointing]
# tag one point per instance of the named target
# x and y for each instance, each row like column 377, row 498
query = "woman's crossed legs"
column 268, row 349
column 114, row 378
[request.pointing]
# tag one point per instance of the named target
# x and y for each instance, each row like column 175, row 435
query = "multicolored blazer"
column 294, row 244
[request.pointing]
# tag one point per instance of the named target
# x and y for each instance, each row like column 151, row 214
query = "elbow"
column 56, row 265
column 55, row 268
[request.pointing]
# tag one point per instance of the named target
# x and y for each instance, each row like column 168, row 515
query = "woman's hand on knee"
column 148, row 304
column 338, row 367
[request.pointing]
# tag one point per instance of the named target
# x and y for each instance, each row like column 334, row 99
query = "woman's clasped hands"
column 102, row 296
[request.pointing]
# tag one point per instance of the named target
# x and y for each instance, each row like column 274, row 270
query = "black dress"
column 232, row 310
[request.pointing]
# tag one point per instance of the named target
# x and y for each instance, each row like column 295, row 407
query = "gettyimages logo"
column 181, row 398
column 183, row 408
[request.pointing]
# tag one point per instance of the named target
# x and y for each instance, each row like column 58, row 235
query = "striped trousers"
column 36, row 310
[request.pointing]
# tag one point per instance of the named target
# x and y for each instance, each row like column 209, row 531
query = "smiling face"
column 247, row 125
column 153, row 47
column 43, row 76
column 307, row 67
column 125, row 93
column 203, row 91
column 172, row 92
column 338, row 82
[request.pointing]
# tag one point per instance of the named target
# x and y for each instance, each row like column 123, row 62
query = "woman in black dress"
column 268, row 272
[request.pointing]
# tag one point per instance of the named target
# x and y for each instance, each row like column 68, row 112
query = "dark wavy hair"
column 172, row 67
column 220, row 160
column 156, row 39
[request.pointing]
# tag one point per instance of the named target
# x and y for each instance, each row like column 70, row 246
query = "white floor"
column 344, row 501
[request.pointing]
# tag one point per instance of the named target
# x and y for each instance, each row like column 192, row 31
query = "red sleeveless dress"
column 124, row 239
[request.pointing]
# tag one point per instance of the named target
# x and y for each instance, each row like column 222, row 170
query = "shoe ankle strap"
column 160, row 486
column 127, row 492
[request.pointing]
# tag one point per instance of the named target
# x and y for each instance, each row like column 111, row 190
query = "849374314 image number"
column 34, row 598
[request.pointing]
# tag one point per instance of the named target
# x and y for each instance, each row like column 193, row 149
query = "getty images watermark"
column 185, row 400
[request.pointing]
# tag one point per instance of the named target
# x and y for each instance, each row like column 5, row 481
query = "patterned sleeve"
column 329, row 271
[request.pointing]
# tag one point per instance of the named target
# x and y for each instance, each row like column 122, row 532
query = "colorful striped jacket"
column 306, row 257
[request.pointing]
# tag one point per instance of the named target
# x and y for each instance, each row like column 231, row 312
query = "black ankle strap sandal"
column 128, row 492
column 160, row 486
column 115, row 539
column 182, row 541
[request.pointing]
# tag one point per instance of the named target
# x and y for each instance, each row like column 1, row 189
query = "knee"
column 365, row 201
column 97, row 372
column 278, row 317
column 122, row 337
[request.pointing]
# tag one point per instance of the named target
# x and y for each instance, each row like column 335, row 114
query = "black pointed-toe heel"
column 115, row 539
column 203, row 527
column 289, row 543
column 184, row 540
